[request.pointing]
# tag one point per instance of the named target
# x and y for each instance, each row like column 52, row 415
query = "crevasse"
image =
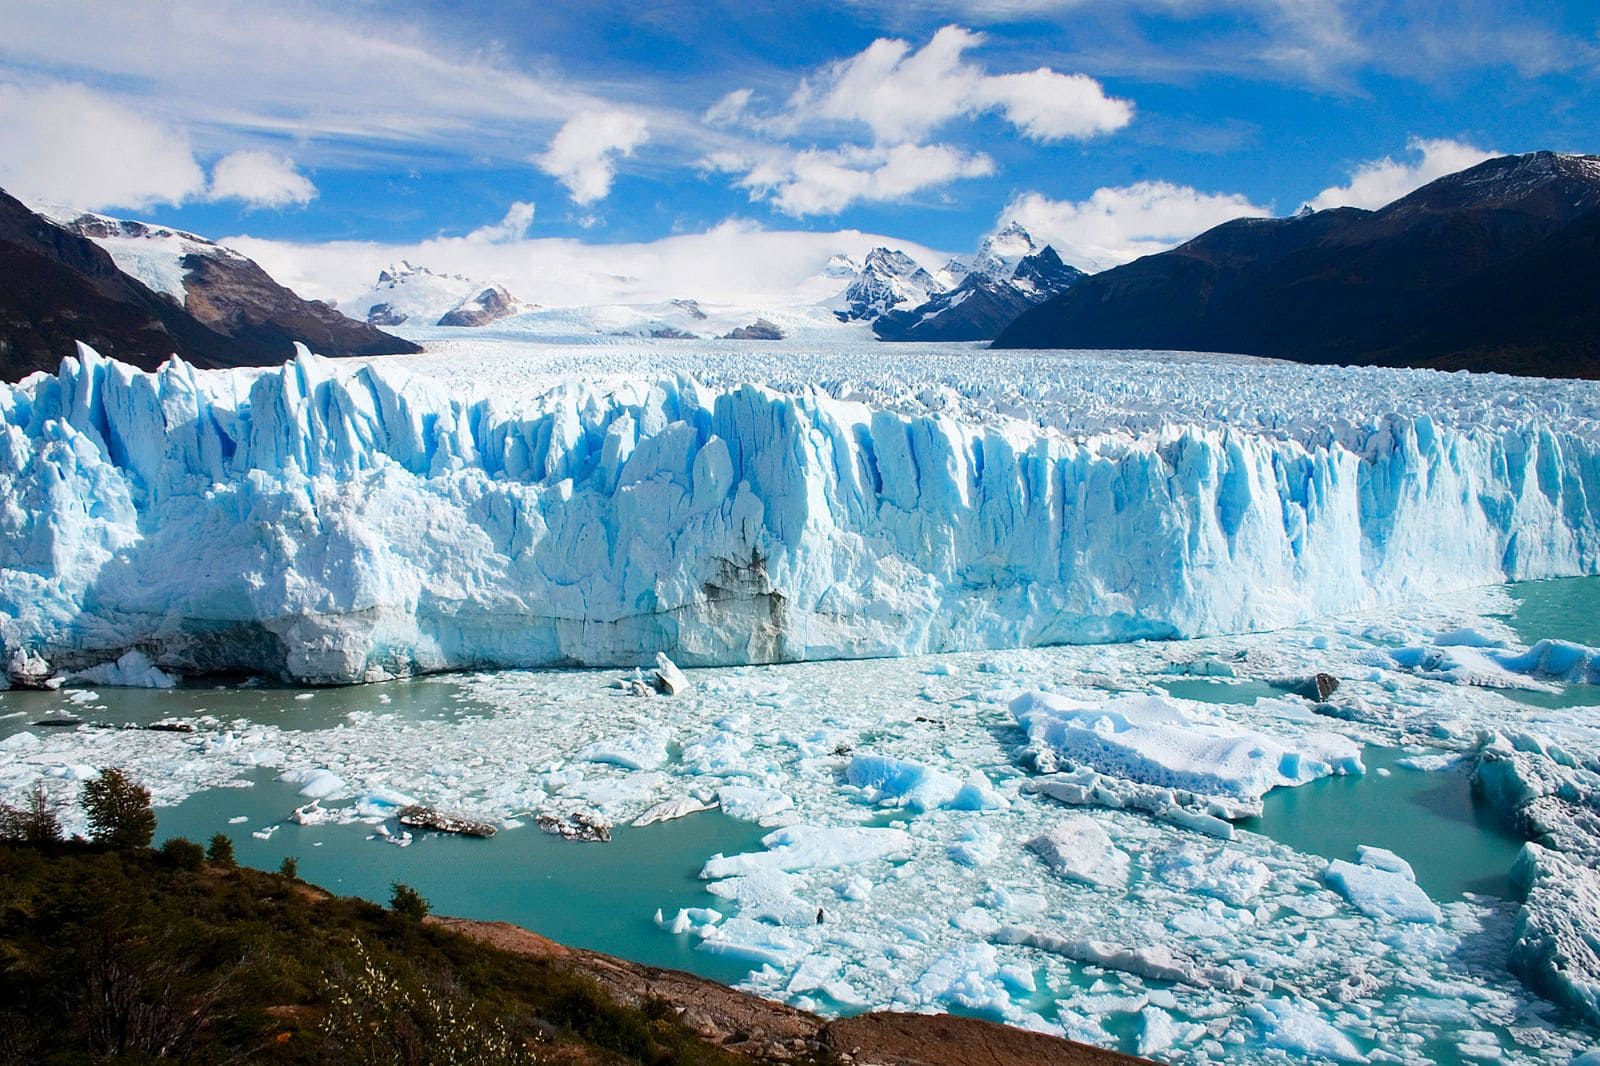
column 324, row 524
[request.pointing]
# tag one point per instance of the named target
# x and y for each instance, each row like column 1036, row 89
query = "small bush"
column 220, row 850
column 407, row 902
column 377, row 1015
column 182, row 853
column 119, row 811
column 33, row 823
column 290, row 867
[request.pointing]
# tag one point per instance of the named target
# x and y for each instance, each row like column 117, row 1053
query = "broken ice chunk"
column 1079, row 850
column 643, row 750
column 1284, row 1024
column 1379, row 891
column 669, row 679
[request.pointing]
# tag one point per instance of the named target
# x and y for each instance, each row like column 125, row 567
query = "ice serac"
column 327, row 523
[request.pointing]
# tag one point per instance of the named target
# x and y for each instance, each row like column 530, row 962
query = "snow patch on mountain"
column 153, row 254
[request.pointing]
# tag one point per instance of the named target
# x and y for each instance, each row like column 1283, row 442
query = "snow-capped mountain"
column 1043, row 275
column 144, row 293
column 153, row 254
column 841, row 266
column 411, row 295
column 1002, row 251
column 1009, row 275
column 490, row 305
column 953, row 273
column 887, row 279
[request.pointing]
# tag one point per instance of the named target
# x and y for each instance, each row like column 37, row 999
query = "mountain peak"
column 888, row 278
column 1547, row 184
column 1002, row 250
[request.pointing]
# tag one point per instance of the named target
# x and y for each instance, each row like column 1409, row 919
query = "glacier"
column 338, row 522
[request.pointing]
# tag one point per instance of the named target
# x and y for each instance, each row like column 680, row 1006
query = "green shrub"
column 407, row 902
column 119, row 811
column 375, row 1015
column 290, row 867
column 182, row 853
column 220, row 850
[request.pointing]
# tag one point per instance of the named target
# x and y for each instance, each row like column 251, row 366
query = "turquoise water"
column 1212, row 690
column 591, row 895
column 415, row 700
column 1429, row 818
column 1565, row 609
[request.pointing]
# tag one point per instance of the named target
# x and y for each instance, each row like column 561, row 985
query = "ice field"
column 1161, row 845
column 902, row 798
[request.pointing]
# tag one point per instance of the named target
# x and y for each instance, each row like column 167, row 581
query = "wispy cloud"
column 229, row 69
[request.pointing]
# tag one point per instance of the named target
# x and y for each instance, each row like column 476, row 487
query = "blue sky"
column 1114, row 126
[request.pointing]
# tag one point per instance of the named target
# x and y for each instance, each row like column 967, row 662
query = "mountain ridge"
column 1349, row 285
column 64, row 287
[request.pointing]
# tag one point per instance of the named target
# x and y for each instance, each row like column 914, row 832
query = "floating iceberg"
column 331, row 523
column 1170, row 744
column 1382, row 886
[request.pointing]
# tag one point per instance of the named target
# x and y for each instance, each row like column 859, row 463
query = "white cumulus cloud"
column 826, row 181
column 584, row 152
column 902, row 95
column 514, row 227
column 1383, row 181
column 260, row 179
column 68, row 144
column 1116, row 225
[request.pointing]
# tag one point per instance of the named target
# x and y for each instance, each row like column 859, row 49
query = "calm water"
column 1431, row 819
column 415, row 700
column 591, row 895
column 1215, row 690
column 1568, row 609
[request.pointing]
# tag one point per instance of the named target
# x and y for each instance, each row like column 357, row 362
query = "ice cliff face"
column 330, row 525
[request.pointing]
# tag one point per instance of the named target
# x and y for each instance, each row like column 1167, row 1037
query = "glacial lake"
column 605, row 896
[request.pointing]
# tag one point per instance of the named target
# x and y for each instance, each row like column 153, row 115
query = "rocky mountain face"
column 1009, row 275
column 887, row 279
column 490, row 305
column 62, row 286
column 1488, row 269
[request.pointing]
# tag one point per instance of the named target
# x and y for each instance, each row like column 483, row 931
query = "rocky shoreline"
column 764, row 1031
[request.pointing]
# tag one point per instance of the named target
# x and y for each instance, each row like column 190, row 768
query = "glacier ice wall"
column 329, row 524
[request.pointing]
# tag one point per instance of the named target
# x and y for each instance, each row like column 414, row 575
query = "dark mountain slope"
column 1355, row 286
column 57, row 287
